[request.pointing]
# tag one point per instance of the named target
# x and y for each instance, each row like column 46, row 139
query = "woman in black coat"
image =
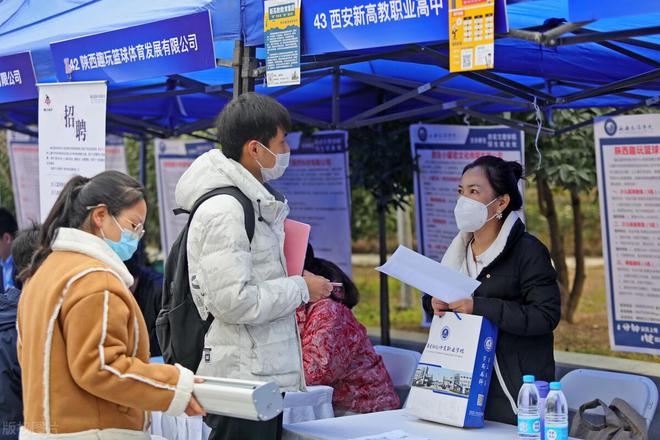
column 518, row 292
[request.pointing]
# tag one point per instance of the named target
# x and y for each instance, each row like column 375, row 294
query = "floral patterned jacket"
column 337, row 352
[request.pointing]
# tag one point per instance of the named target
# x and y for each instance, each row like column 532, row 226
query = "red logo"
column 47, row 100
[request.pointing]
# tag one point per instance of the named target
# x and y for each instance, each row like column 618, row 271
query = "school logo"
column 610, row 127
column 422, row 134
column 488, row 344
column 444, row 334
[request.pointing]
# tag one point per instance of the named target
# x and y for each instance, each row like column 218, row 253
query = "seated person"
column 148, row 291
column 11, row 400
column 337, row 351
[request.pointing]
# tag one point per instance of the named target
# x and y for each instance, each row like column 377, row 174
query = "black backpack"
column 179, row 328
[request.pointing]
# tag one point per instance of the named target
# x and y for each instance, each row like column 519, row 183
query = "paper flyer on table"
column 428, row 275
column 391, row 435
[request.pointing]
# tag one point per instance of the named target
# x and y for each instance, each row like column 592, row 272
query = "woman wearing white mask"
column 518, row 292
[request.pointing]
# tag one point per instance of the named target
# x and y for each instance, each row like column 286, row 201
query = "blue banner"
column 582, row 10
column 176, row 45
column 17, row 82
column 343, row 25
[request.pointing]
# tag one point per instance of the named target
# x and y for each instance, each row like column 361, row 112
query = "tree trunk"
column 580, row 273
column 404, row 233
column 557, row 250
column 384, row 291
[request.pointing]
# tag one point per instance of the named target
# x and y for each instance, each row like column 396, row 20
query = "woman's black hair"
column 503, row 176
column 73, row 206
column 331, row 271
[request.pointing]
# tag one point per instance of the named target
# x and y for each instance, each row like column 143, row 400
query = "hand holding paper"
column 428, row 275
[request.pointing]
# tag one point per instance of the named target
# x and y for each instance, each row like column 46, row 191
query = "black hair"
column 503, row 176
column 8, row 223
column 113, row 189
column 137, row 261
column 22, row 249
column 247, row 117
column 331, row 271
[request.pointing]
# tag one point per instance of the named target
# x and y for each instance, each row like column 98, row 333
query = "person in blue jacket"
column 11, row 400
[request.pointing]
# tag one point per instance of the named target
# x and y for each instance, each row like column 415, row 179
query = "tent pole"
column 336, row 83
column 384, row 291
column 238, row 68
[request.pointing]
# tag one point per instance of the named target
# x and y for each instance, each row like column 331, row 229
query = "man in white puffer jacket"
column 244, row 284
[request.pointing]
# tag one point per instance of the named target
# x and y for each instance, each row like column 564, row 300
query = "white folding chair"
column 584, row 385
column 304, row 406
column 400, row 365
column 399, row 362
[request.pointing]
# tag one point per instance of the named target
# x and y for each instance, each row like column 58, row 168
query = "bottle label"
column 555, row 432
column 529, row 425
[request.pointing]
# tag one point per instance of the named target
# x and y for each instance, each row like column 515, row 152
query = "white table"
column 342, row 428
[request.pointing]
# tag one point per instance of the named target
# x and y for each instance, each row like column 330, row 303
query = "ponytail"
column 71, row 209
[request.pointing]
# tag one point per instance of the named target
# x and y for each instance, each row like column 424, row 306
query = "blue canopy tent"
column 611, row 62
column 545, row 59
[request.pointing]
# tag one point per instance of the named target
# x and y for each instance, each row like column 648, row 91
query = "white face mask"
column 281, row 164
column 471, row 215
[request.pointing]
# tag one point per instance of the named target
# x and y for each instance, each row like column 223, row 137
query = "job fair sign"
column 628, row 164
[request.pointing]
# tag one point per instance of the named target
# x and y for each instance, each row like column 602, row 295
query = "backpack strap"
column 248, row 209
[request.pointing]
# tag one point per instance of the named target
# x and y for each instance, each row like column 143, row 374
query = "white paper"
column 428, row 275
column 71, row 136
column 392, row 435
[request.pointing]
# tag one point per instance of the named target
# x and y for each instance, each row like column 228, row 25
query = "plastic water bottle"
column 556, row 414
column 529, row 418
column 543, row 389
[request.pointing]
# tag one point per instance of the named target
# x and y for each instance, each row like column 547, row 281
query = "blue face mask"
column 127, row 244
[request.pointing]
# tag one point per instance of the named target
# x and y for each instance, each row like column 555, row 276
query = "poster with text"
column 318, row 190
column 71, row 135
column 23, row 152
column 173, row 157
column 628, row 164
column 442, row 151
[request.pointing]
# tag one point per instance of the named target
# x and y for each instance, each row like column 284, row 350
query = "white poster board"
column 442, row 152
column 318, row 189
column 23, row 151
column 628, row 164
column 173, row 157
column 71, row 135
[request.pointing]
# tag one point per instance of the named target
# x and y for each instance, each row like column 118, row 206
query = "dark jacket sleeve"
column 539, row 310
column 426, row 305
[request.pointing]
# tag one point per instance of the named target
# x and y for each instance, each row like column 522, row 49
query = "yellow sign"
column 471, row 35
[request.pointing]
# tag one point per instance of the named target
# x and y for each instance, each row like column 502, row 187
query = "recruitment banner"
column 173, row 157
column 23, row 151
column 172, row 46
column 628, row 164
column 318, row 190
column 71, row 135
column 282, row 42
column 584, row 10
column 471, row 35
column 442, row 152
column 17, row 80
column 342, row 25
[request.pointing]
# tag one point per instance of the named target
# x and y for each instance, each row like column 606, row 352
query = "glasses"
column 136, row 228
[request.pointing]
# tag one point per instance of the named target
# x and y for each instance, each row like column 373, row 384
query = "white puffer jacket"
column 244, row 286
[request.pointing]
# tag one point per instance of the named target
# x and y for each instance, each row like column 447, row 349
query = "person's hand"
column 439, row 307
column 318, row 286
column 194, row 408
column 465, row 305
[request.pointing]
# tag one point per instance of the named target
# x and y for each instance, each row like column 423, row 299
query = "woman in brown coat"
column 83, row 344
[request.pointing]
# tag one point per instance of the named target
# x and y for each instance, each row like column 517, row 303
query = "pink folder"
column 296, row 236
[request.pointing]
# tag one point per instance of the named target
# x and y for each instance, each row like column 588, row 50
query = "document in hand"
column 428, row 275
column 296, row 237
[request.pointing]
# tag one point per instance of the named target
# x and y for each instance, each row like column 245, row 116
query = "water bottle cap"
column 528, row 378
column 555, row 385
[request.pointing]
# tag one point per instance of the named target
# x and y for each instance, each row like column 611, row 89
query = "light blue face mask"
column 127, row 244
